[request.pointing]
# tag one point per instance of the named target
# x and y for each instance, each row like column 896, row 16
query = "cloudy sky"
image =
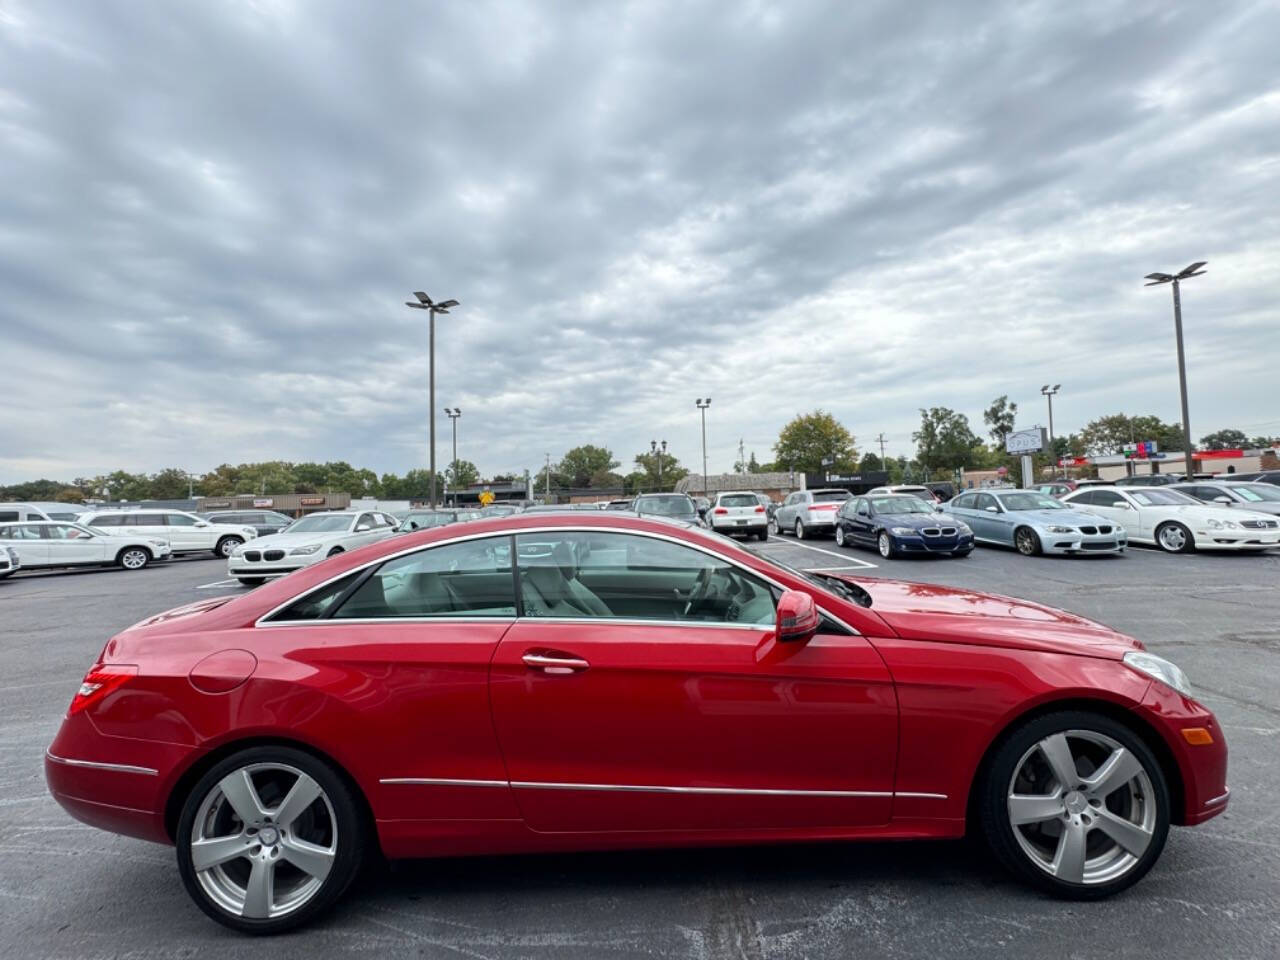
column 211, row 214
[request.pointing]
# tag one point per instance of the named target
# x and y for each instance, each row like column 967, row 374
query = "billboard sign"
column 1028, row 441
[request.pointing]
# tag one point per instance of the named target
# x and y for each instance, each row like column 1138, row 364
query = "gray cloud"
column 213, row 212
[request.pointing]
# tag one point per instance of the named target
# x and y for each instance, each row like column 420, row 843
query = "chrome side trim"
column 654, row 788
column 1218, row 800
column 95, row 765
column 557, row 528
column 444, row 782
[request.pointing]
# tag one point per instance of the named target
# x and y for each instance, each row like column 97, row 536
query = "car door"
column 1003, row 522
column 862, row 522
column 962, row 508
column 683, row 714
column 980, row 517
column 188, row 533
column 367, row 529
column 25, row 539
column 70, row 545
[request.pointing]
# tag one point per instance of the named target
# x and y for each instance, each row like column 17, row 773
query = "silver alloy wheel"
column 886, row 546
column 228, row 544
column 799, row 530
column 1082, row 807
column 839, row 536
column 135, row 558
column 774, row 528
column 1173, row 537
column 264, row 861
column 1025, row 539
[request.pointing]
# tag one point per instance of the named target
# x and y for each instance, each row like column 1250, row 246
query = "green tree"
column 1224, row 440
column 811, row 438
column 466, row 475
column 870, row 463
column 945, row 440
column 646, row 476
column 580, row 464
column 1000, row 417
column 1108, row 435
column 169, row 484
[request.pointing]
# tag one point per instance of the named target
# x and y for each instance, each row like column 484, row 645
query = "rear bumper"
column 755, row 526
column 113, row 783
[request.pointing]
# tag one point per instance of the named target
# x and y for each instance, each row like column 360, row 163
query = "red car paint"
column 458, row 746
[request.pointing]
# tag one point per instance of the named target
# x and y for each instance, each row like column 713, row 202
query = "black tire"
column 774, row 527
column 226, row 545
column 800, row 534
column 763, row 535
column 133, row 558
column 841, row 540
column 962, row 553
column 1027, row 542
column 252, row 581
column 1180, row 538
column 347, row 822
column 993, row 803
column 334, row 552
column 885, row 544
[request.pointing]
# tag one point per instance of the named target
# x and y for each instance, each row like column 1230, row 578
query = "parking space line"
column 218, row 583
column 861, row 566
column 856, row 563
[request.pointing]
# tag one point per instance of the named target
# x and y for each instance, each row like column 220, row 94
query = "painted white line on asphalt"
column 858, row 564
column 218, row 584
column 861, row 566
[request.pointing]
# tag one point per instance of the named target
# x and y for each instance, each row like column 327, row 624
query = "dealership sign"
column 312, row 501
column 217, row 504
column 1026, row 441
column 1140, row 451
column 263, row 502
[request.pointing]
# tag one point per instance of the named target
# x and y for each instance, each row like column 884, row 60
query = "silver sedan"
column 1035, row 523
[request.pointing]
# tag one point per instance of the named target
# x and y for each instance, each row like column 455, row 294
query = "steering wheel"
column 698, row 595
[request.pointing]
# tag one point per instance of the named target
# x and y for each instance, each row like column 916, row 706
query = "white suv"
column 739, row 512
column 185, row 532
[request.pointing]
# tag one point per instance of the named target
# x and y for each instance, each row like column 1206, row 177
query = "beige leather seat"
column 551, row 588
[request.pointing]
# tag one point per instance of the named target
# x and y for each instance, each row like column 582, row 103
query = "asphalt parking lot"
column 69, row 891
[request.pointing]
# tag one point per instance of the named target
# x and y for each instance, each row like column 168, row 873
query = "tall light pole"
column 702, row 405
column 424, row 303
column 453, row 415
column 1049, row 395
column 1187, row 273
column 653, row 449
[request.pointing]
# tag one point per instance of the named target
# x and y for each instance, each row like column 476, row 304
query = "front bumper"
column 1207, row 539
column 1077, row 542
column 269, row 563
column 1202, row 769
column 923, row 544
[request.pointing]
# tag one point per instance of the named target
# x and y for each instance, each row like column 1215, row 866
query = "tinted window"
column 105, row 521
column 1107, row 498
column 830, row 496
column 740, row 500
column 622, row 576
column 144, row 520
column 6, row 515
column 984, row 500
column 180, row 520
column 317, row 604
column 666, row 506
column 964, row 501
column 472, row 578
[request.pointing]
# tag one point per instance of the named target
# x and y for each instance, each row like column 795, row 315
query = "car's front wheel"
column 885, row 544
column 268, row 839
column 1027, row 541
column 774, row 528
column 133, row 558
column 1076, row 803
column 226, row 545
column 840, row 540
column 799, row 530
column 1175, row 538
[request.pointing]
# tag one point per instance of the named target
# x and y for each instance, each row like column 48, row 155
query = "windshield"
column 334, row 523
column 665, row 506
column 1030, row 501
column 1162, row 498
column 739, row 500
column 883, row 506
column 1258, row 493
column 417, row 520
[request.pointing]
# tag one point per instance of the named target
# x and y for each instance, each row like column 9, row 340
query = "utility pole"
column 424, row 303
column 702, row 405
column 453, row 414
column 880, row 440
column 1049, row 394
column 548, row 494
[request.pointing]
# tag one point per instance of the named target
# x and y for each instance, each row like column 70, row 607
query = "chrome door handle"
column 553, row 664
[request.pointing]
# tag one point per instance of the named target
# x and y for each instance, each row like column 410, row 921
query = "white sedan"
column 307, row 541
column 40, row 544
column 1175, row 522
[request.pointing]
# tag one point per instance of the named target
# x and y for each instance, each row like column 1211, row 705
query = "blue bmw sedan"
column 899, row 523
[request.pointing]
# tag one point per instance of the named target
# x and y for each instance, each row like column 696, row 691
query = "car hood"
column 918, row 521
column 926, row 611
column 1072, row 516
column 287, row 540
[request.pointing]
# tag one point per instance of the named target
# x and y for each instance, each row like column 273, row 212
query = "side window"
column 176, row 520
column 623, row 576
column 1085, row 498
column 102, row 521
column 63, row 531
column 983, row 500
column 20, row 531
column 8, row 516
column 864, row 508
column 317, row 604
column 471, row 579
column 144, row 520
column 1107, row 498
column 365, row 522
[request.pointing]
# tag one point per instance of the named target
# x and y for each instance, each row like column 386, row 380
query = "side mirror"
column 201, row 523
column 363, row 528
column 937, row 508
column 798, row 618
column 1227, row 500
column 992, row 509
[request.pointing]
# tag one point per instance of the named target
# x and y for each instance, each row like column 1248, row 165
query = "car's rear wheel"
column 226, row 545
column 133, row 558
column 1175, row 538
column 334, row 552
column 774, row 528
column 799, row 530
column 1077, row 804
column 763, row 535
column 885, row 544
column 1027, row 541
column 268, row 839
column 840, row 541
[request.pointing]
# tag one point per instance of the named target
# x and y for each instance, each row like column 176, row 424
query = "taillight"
column 721, row 510
column 101, row 679
column 825, row 506
column 759, row 509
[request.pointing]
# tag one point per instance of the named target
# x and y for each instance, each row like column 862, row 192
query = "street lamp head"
column 1057, row 387
column 1193, row 270
column 1045, row 388
column 422, row 298
column 446, row 305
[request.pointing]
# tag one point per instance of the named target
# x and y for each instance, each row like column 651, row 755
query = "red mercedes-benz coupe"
column 559, row 682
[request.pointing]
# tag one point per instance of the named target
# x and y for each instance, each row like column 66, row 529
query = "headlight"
column 306, row 551
column 1159, row 668
column 1223, row 525
column 962, row 527
column 904, row 532
column 1060, row 529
